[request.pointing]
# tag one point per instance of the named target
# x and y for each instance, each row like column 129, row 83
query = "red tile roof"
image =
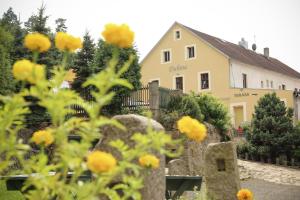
column 247, row 56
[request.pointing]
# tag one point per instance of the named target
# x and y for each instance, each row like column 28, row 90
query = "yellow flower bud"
column 192, row 128
column 244, row 194
column 67, row 42
column 99, row 161
column 37, row 42
column 43, row 137
column 149, row 160
column 119, row 35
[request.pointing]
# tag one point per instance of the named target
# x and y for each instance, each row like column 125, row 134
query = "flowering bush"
column 50, row 178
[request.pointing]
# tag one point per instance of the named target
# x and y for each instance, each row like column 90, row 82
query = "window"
column 179, row 83
column 262, row 84
column 244, row 80
column 190, row 52
column 166, row 56
column 271, row 84
column 177, row 35
column 204, row 81
column 267, row 83
column 283, row 87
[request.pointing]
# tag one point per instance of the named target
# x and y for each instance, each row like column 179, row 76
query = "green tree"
column 272, row 125
column 11, row 23
column 82, row 65
column 61, row 25
column 38, row 22
column 133, row 75
column 6, row 79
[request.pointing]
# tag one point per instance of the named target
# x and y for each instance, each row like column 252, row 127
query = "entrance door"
column 238, row 115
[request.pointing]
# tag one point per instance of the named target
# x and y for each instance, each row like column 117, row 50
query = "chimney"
column 266, row 52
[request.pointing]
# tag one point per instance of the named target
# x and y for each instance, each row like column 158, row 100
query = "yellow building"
column 190, row 60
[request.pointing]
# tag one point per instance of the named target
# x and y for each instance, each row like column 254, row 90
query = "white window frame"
column 175, row 30
column 183, row 82
column 261, row 84
column 162, row 60
column 186, row 52
column 155, row 79
column 199, row 81
column 232, row 105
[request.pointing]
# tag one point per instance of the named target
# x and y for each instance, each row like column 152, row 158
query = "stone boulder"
column 221, row 175
column 192, row 162
column 154, row 181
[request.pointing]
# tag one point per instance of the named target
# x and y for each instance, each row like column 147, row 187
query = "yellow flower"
column 26, row 70
column 149, row 160
column 244, row 194
column 37, row 74
column 192, row 128
column 43, row 137
column 99, row 161
column 119, row 35
column 22, row 69
column 67, row 42
column 37, row 42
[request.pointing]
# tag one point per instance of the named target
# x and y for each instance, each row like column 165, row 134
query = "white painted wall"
column 257, row 74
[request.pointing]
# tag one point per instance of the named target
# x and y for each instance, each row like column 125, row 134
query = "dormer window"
column 177, row 34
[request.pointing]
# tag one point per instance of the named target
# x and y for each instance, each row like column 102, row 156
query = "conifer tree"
column 82, row 65
column 272, row 124
column 11, row 23
column 6, row 80
column 103, row 54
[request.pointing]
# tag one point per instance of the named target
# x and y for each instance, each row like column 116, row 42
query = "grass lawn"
column 9, row 195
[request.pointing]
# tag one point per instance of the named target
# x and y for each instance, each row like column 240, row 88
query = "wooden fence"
column 137, row 99
column 150, row 97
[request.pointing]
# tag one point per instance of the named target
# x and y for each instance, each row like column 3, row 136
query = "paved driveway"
column 264, row 190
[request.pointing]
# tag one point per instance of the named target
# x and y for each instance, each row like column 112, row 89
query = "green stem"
column 65, row 59
column 35, row 56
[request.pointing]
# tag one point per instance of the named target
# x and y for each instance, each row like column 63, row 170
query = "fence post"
column 154, row 99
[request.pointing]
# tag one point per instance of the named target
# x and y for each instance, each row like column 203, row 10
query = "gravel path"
column 268, row 172
column 264, row 190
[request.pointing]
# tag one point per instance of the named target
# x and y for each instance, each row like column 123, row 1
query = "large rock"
column 221, row 173
column 191, row 162
column 154, row 182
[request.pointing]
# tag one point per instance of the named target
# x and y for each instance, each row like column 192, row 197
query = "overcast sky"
column 275, row 23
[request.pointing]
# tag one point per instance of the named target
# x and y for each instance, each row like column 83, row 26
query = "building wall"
column 225, row 74
column 208, row 59
column 249, row 97
column 257, row 74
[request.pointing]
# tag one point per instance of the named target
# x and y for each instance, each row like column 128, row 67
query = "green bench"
column 175, row 185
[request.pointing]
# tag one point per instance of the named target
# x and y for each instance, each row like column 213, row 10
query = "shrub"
column 168, row 119
column 214, row 111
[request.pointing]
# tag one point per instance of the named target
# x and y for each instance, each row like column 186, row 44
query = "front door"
column 238, row 115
